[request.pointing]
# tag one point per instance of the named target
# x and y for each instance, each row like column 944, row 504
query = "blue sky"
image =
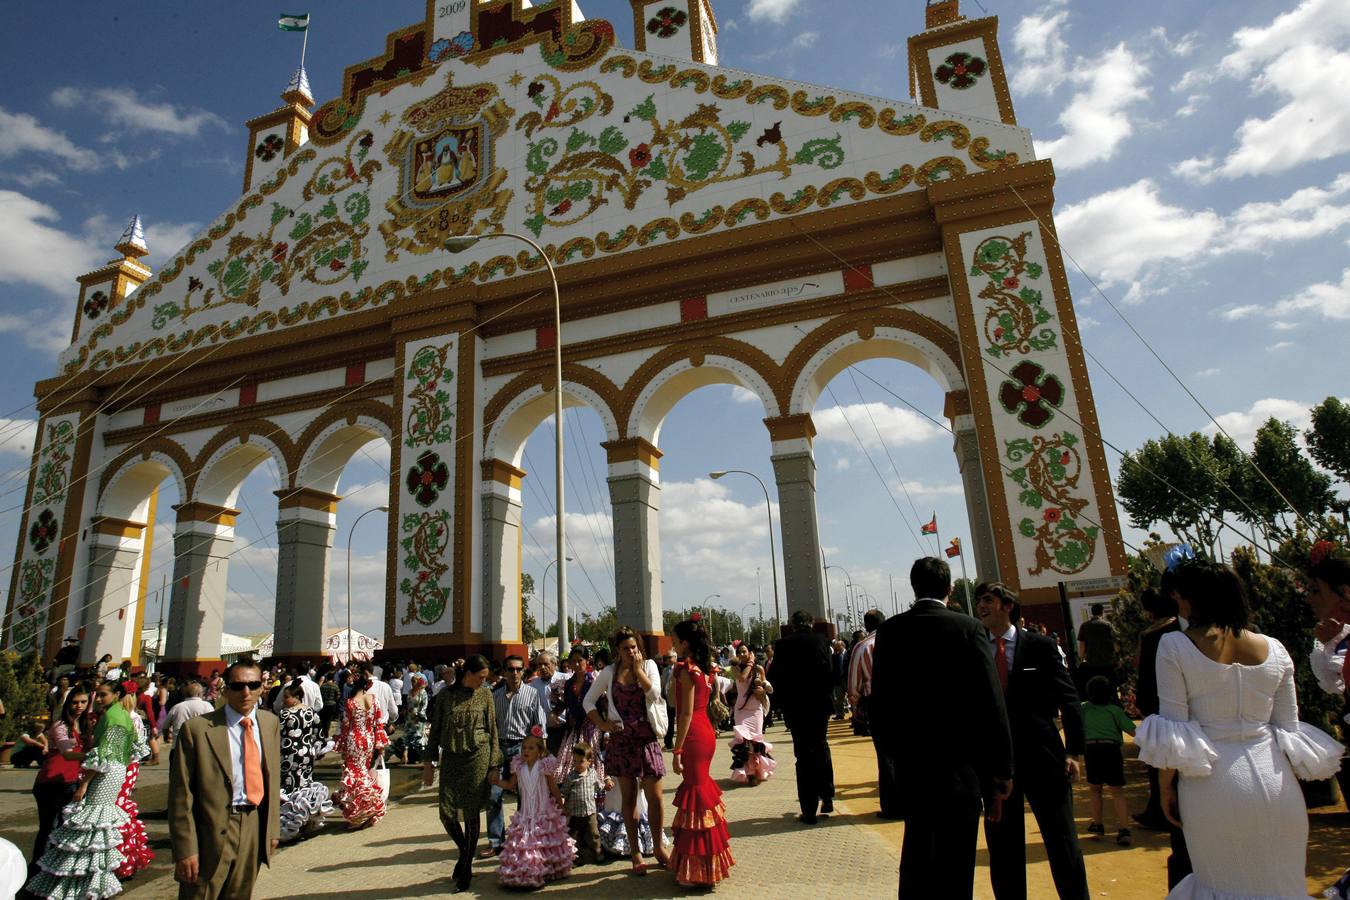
column 1202, row 183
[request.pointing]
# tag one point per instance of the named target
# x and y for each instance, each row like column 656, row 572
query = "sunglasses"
column 245, row 685
column 514, row 669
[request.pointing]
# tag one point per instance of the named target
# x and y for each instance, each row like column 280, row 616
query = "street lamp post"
column 745, row 627
column 848, row 584
column 773, row 553
column 350, row 532
column 460, row 244
column 705, row 606
column 543, row 607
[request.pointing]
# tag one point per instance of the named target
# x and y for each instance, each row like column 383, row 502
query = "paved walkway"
column 851, row 854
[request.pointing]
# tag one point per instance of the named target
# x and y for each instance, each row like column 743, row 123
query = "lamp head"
column 382, row 508
column 716, row 475
column 460, row 244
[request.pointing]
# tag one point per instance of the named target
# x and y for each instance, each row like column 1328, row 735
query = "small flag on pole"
column 293, row 22
column 955, row 549
column 931, row 527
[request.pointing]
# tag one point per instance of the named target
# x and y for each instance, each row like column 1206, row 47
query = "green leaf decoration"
column 644, row 110
column 328, row 211
column 303, row 225
column 1034, row 270
column 705, row 155
column 1030, row 498
column 1027, row 528
column 656, row 169
column 535, row 223
column 737, row 130
column 580, row 190
column 357, row 207
column 358, row 267
column 612, row 140
column 578, row 139
column 279, row 212
column 536, row 158
column 824, row 152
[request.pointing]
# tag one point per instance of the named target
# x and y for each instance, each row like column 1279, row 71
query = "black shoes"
column 1150, row 823
column 826, row 807
column 806, row 820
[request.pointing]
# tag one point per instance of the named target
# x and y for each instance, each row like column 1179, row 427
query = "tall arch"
column 519, row 407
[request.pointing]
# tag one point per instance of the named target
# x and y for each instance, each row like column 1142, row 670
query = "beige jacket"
column 201, row 785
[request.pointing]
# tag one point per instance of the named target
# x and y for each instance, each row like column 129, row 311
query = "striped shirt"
column 860, row 668
column 518, row 713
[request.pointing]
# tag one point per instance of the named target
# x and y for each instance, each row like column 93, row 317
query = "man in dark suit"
column 225, row 793
column 802, row 683
column 1036, row 688
column 938, row 712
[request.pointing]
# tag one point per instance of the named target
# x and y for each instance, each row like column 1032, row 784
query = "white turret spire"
column 300, row 84
column 132, row 243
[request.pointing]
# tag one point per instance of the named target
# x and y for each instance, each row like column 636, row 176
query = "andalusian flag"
column 930, row 527
column 293, row 22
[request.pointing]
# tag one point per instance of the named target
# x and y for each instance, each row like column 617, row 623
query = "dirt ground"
column 1138, row 872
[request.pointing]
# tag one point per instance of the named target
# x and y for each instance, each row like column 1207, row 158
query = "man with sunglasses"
column 224, row 792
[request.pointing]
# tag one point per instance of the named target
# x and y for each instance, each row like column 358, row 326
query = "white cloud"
column 1241, row 425
column 1300, row 57
column 806, row 39
column 35, row 178
column 1044, row 53
column 129, row 113
column 772, row 10
column 1126, row 234
column 943, row 489
column 743, row 395
column 17, row 437
column 1208, row 373
column 1191, row 107
column 841, row 464
column 21, row 133
column 1182, row 46
column 1327, row 299
column 1119, row 234
column 1281, row 345
column 1199, row 169
column 1096, row 121
column 898, row 426
column 35, row 252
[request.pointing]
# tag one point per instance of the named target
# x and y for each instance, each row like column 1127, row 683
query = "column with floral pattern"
column 1045, row 457
column 36, row 580
column 425, row 506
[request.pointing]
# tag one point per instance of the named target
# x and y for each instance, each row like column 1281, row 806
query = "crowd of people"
column 971, row 718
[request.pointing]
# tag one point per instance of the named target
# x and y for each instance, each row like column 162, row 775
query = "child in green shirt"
column 1103, row 722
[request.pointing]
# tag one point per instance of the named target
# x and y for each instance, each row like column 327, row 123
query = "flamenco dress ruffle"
column 702, row 853
column 360, row 796
column 751, row 757
column 135, row 849
column 538, row 848
column 304, row 808
column 82, row 854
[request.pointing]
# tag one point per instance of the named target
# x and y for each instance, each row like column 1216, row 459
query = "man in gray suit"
column 225, row 793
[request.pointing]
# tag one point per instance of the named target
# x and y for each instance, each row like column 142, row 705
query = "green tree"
column 24, row 693
column 1181, row 481
column 1277, row 455
column 529, row 628
column 1329, row 438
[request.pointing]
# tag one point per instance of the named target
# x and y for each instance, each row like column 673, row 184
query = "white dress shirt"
column 190, row 708
column 384, row 699
column 235, row 729
column 313, row 697
column 1009, row 644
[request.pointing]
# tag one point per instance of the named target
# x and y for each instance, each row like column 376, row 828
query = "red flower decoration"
column 1010, row 281
column 337, row 265
column 1053, row 515
column 640, row 156
column 279, row 251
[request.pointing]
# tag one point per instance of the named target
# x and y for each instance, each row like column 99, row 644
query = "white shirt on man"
column 384, row 699
column 313, row 697
column 235, row 728
column 187, row 708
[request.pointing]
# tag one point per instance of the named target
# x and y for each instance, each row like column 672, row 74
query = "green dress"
column 464, row 732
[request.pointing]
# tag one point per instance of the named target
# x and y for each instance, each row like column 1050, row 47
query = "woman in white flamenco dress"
column 1230, row 731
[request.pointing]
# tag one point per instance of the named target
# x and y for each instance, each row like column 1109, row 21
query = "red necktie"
column 253, row 777
column 1001, row 661
column 1345, row 673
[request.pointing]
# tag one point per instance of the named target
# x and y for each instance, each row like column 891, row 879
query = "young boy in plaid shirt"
column 579, row 789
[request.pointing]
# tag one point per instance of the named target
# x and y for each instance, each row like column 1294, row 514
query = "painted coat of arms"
column 449, row 184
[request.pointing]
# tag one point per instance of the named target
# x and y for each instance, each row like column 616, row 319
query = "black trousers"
column 1051, row 802
column 937, row 858
column 51, row 797
column 1179, row 863
column 815, row 768
column 888, row 780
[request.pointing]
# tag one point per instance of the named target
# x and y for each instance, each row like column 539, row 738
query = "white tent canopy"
column 338, row 643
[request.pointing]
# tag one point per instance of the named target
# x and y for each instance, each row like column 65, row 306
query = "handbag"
column 379, row 773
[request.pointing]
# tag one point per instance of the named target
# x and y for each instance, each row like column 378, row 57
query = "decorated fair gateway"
column 709, row 226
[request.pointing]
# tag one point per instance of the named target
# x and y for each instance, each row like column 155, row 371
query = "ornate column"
column 635, row 495
column 116, row 549
column 202, row 541
column 1036, row 436
column 967, row 449
column 794, row 469
column 502, row 614
column 306, row 520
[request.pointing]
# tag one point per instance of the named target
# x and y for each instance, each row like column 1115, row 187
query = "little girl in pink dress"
column 537, row 848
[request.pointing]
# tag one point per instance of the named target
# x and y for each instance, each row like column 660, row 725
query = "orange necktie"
column 253, row 777
column 1001, row 661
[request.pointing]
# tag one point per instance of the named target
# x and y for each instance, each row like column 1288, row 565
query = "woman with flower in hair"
column 538, row 848
column 135, row 846
column 362, row 741
column 1228, row 724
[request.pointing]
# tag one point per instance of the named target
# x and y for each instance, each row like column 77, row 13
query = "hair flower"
column 696, row 617
column 537, row 731
column 1320, row 551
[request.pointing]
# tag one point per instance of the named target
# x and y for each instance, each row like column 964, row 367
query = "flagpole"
column 969, row 609
column 304, row 45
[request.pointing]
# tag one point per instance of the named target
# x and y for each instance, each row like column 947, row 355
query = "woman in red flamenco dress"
column 702, row 855
column 135, row 846
column 362, row 740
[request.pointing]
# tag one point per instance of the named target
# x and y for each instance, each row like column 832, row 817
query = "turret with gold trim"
column 685, row 29
column 278, row 134
column 103, row 290
column 955, row 64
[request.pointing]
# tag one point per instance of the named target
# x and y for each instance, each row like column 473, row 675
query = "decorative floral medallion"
column 427, row 478
column 961, row 70
column 54, row 470
column 44, row 531
column 427, row 536
column 1031, row 394
column 429, row 412
column 450, row 48
column 1014, row 318
column 449, row 184
column 1048, row 474
column 269, row 147
column 95, row 304
column 667, row 22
